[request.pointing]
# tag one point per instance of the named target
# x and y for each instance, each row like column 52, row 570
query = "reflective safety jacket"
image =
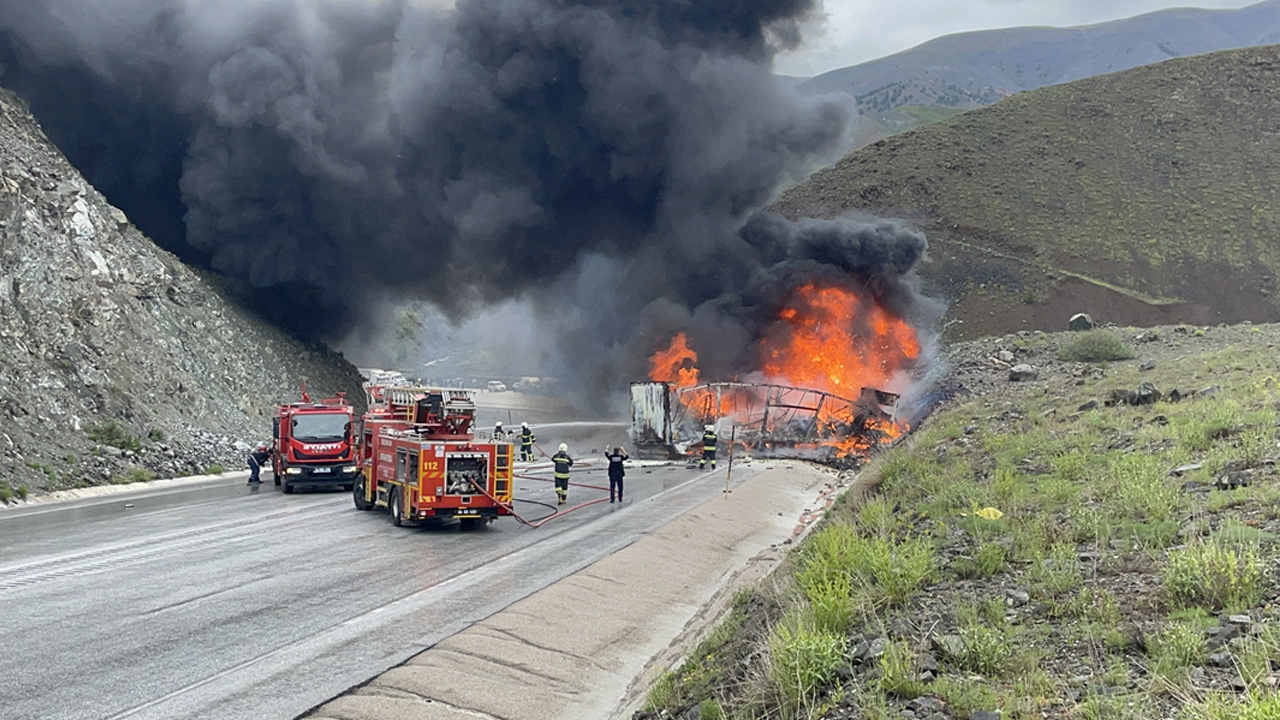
column 563, row 463
column 709, row 441
column 526, row 437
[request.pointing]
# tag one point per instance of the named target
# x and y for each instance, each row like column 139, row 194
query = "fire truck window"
column 320, row 427
column 275, row 428
column 400, row 458
column 413, row 467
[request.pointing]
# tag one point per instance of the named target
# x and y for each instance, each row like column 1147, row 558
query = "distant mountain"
column 1148, row 196
column 973, row 69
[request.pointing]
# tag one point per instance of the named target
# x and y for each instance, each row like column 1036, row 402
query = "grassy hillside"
column 1035, row 551
column 874, row 126
column 1146, row 196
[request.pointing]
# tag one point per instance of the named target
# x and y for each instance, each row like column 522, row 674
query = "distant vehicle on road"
column 528, row 383
column 497, row 386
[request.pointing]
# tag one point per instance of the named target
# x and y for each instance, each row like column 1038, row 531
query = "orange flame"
column 676, row 365
column 830, row 339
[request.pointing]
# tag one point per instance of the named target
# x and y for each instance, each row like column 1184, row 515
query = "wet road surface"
column 235, row 602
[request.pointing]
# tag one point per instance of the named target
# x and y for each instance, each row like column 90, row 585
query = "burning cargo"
column 816, row 371
column 769, row 420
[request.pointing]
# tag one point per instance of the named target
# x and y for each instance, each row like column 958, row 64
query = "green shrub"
column 1199, row 433
column 1256, row 655
column 663, row 692
column 1176, row 648
column 22, row 492
column 111, row 433
column 1226, row 707
column 1141, row 490
column 214, row 470
column 1090, row 605
column 1095, row 346
column 135, row 475
column 901, row 569
column 1055, row 574
column 894, row 570
column 1115, row 707
column 1234, row 532
column 6, row 493
column 876, row 517
column 990, row 559
column 1214, row 576
column 984, row 650
column 709, row 709
column 802, row 660
column 1149, row 535
column 899, row 671
column 1074, row 465
column 964, row 696
column 156, row 435
column 831, row 598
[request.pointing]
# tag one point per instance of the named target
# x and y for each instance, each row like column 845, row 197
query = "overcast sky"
column 859, row 30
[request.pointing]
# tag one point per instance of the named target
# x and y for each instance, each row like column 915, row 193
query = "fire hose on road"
column 538, row 522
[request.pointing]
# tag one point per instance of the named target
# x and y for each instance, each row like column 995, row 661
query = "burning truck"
column 815, row 392
column 769, row 420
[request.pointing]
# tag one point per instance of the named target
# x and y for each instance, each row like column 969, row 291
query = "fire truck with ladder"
column 421, row 458
column 313, row 444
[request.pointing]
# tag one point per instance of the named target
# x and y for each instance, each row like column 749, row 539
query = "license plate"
column 465, row 513
column 321, row 470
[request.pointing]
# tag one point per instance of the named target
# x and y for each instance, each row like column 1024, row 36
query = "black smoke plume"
column 604, row 159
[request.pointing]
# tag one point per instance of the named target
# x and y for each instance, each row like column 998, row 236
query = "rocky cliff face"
column 116, row 360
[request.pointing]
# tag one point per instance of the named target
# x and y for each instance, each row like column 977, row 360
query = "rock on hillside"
column 101, row 330
column 1142, row 197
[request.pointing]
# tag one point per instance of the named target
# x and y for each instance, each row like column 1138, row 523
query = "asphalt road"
column 237, row 602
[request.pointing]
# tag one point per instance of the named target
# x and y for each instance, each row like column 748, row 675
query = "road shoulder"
column 580, row 648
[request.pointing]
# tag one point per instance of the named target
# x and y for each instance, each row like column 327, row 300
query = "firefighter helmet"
column 564, row 447
column 261, row 447
column 524, row 424
column 711, row 428
column 499, row 423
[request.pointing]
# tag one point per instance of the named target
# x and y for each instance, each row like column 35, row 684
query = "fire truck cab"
column 422, row 460
column 313, row 444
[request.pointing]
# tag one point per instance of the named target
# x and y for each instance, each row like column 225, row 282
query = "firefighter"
column 616, row 471
column 708, row 448
column 526, row 442
column 255, row 460
column 563, row 463
column 498, row 432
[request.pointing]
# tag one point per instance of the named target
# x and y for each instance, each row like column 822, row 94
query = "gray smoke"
column 605, row 159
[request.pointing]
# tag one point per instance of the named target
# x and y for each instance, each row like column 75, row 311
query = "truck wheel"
column 288, row 489
column 393, row 506
column 357, row 494
column 277, row 478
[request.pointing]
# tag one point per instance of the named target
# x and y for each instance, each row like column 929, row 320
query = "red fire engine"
column 314, row 445
column 421, row 459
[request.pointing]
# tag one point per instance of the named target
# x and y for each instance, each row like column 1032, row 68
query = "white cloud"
column 859, row 30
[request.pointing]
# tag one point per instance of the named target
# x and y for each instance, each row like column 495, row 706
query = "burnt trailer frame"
column 770, row 419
